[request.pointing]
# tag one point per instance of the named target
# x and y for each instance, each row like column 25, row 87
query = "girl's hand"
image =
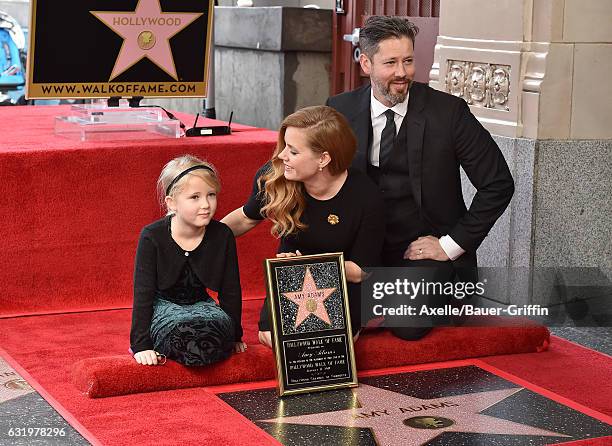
column 265, row 337
column 288, row 254
column 240, row 347
column 146, row 357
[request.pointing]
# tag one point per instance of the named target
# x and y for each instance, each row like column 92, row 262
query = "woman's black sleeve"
column 367, row 246
column 252, row 208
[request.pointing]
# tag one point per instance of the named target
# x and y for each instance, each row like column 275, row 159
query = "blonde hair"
column 173, row 168
column 326, row 130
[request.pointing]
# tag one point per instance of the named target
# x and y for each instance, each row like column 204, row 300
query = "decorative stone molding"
column 534, row 63
column 480, row 84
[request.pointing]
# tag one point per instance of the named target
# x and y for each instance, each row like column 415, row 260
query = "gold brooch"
column 333, row 219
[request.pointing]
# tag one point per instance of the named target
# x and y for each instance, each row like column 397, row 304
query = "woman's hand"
column 354, row 273
column 265, row 337
column 288, row 254
column 240, row 347
column 146, row 357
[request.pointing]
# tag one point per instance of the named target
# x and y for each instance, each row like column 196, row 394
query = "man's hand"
column 426, row 248
column 240, row 347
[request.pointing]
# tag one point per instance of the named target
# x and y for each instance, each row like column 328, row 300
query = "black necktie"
column 387, row 138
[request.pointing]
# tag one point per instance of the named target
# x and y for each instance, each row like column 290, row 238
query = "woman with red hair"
column 315, row 201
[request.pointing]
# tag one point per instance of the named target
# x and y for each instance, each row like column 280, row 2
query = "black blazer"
column 442, row 134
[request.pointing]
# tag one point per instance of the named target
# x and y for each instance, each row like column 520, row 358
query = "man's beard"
column 393, row 98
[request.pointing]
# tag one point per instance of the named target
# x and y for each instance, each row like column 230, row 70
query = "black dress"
column 358, row 233
column 173, row 312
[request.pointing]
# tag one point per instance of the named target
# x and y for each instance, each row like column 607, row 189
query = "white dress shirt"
column 379, row 120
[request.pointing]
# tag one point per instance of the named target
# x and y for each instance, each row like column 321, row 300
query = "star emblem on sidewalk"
column 396, row 419
column 12, row 385
column 310, row 300
column 146, row 33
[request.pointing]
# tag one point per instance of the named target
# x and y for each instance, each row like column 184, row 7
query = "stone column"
column 271, row 61
column 536, row 73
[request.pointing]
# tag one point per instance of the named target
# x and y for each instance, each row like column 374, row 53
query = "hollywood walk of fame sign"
column 100, row 49
column 311, row 328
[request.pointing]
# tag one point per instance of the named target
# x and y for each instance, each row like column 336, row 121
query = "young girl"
column 179, row 257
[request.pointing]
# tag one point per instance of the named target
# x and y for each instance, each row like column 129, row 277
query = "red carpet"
column 568, row 370
column 72, row 211
column 605, row 441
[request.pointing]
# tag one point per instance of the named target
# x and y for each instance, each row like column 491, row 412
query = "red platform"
column 72, row 211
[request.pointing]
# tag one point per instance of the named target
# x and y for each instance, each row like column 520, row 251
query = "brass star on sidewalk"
column 397, row 419
column 310, row 300
column 146, row 33
column 11, row 384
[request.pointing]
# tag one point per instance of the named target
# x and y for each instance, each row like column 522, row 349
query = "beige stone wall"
column 529, row 68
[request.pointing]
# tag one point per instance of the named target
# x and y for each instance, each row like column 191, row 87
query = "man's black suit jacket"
column 442, row 134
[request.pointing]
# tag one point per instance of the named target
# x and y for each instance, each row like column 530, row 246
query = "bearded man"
column 412, row 140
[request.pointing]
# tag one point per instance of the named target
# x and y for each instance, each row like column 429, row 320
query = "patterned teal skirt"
column 197, row 334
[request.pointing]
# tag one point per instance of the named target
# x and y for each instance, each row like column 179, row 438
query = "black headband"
column 185, row 172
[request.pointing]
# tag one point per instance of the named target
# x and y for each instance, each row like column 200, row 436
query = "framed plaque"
column 311, row 326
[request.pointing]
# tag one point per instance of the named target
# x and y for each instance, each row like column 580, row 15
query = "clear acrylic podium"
column 99, row 122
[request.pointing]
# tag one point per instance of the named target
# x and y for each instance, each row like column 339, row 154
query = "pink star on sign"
column 310, row 300
column 146, row 33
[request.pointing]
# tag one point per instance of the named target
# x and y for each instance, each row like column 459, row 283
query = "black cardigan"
column 160, row 261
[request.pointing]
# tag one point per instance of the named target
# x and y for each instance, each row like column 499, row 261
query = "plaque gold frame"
column 274, row 300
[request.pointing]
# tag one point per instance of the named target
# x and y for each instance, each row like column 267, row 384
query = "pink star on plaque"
column 402, row 420
column 310, row 300
column 146, row 33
